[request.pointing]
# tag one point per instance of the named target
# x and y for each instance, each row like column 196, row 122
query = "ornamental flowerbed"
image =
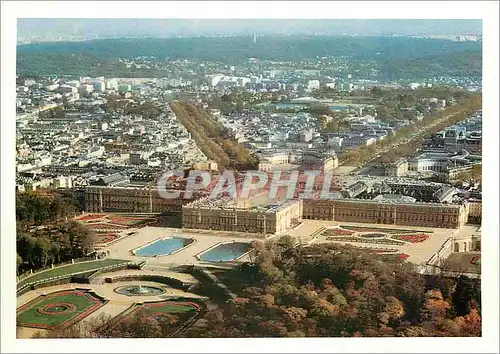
column 105, row 237
column 416, row 238
column 337, row 232
column 130, row 221
column 109, row 222
column 380, row 241
column 59, row 309
column 377, row 229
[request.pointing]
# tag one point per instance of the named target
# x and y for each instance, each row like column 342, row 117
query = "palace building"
column 397, row 211
column 130, row 199
column 255, row 215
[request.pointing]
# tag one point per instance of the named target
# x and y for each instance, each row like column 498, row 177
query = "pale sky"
column 90, row 28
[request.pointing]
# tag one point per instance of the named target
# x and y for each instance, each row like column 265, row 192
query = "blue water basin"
column 163, row 247
column 225, row 252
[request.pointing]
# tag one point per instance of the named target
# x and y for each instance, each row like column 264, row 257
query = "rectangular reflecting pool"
column 225, row 252
column 162, row 247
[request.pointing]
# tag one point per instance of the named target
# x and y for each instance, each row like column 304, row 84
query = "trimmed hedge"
column 174, row 283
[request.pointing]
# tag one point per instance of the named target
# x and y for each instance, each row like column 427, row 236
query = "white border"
column 486, row 10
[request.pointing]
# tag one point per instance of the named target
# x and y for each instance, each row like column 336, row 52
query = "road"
column 373, row 162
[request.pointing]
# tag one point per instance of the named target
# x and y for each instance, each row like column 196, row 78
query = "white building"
column 215, row 79
column 335, row 141
column 52, row 87
column 63, row 182
column 313, row 85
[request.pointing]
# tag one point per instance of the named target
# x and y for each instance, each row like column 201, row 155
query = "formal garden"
column 111, row 221
column 59, row 309
column 107, row 228
column 374, row 235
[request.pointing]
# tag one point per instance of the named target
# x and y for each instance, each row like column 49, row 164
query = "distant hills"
column 393, row 53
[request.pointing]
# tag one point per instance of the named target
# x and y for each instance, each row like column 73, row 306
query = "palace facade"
column 449, row 216
column 129, row 199
column 241, row 216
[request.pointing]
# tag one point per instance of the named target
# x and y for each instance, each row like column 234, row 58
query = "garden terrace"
column 70, row 269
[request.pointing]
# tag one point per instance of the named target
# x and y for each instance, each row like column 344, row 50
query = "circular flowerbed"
column 57, row 308
column 372, row 235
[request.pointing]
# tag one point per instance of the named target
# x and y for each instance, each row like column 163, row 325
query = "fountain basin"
column 139, row 290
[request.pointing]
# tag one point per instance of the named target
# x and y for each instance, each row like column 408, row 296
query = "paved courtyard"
column 309, row 231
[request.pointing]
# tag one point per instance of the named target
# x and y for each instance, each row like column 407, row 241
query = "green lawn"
column 30, row 317
column 69, row 269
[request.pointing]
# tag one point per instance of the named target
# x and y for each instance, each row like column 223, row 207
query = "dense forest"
column 468, row 63
column 409, row 57
column 291, row 48
column 340, row 291
column 45, row 233
column 212, row 138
